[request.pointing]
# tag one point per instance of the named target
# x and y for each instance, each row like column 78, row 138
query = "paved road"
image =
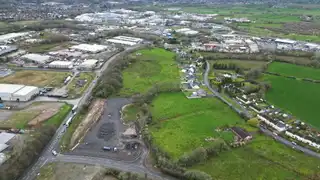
column 46, row 155
column 288, row 143
column 217, row 94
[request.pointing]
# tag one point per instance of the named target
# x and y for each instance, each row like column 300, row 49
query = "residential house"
column 301, row 139
column 241, row 134
column 243, row 99
column 279, row 126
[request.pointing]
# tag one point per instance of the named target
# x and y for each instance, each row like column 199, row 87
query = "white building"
column 117, row 41
column 36, row 58
column 15, row 92
column 127, row 38
column 268, row 122
column 90, row 48
column 12, row 36
column 61, row 64
column 187, row 31
column 301, row 139
column 88, row 64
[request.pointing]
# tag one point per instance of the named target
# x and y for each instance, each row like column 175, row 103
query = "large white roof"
column 121, row 42
column 90, row 47
column 37, row 57
column 127, row 38
column 287, row 41
column 10, row 88
column 5, row 137
column 9, row 36
column 89, row 62
column 61, row 63
column 25, row 90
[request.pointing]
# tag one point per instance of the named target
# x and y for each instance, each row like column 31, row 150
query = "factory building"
column 90, row 48
column 36, row 58
column 121, row 42
column 127, row 38
column 7, row 49
column 88, row 64
column 187, row 31
column 5, row 142
column 15, row 92
column 61, row 64
column 8, row 38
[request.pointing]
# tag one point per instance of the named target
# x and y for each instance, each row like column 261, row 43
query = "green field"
column 263, row 158
column 152, row 66
column 241, row 63
column 298, row 97
column 58, row 118
column 129, row 113
column 294, row 70
column 188, row 122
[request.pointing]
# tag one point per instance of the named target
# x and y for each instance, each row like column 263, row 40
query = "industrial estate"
column 139, row 90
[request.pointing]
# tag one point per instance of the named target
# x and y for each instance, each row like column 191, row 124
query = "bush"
column 196, row 156
column 196, row 175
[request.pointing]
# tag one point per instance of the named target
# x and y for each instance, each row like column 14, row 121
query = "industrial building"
column 127, row 38
column 7, row 38
column 61, row 64
column 88, row 64
column 187, row 31
column 5, row 139
column 89, row 48
column 7, row 49
column 117, row 41
column 36, row 58
column 16, row 92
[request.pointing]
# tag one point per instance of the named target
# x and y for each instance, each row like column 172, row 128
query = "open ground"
column 263, row 158
column 152, row 66
column 36, row 78
column 75, row 89
column 189, row 122
column 33, row 115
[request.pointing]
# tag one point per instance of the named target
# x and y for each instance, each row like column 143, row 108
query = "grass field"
column 73, row 90
column 263, row 158
column 36, row 78
column 188, row 122
column 298, row 97
column 241, row 63
column 42, row 48
column 153, row 66
column 20, row 119
column 294, row 70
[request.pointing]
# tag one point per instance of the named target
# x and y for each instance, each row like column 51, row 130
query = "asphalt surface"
column 265, row 131
column 217, row 94
column 46, row 156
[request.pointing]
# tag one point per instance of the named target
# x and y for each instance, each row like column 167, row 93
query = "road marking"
column 44, row 163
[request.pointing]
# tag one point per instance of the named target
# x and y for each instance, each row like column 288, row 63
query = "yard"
column 37, row 113
column 263, row 158
column 79, row 84
column 189, row 122
column 153, row 66
column 298, row 97
column 36, row 78
column 294, row 70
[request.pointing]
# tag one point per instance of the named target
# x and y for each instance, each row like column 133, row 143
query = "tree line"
column 25, row 152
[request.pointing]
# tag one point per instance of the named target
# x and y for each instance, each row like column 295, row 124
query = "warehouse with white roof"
column 88, row 64
column 36, row 58
column 17, row 92
column 117, row 41
column 90, row 48
column 61, row 64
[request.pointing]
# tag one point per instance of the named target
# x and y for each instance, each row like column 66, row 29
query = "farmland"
column 263, row 158
column 36, row 78
column 298, row 97
column 241, row 63
column 152, row 66
column 188, row 122
column 294, row 70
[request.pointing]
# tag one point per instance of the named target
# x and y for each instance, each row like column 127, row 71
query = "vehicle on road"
column 68, row 122
column 54, row 152
column 294, row 143
column 106, row 148
column 74, row 109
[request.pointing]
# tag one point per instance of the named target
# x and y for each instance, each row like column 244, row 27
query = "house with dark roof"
column 242, row 135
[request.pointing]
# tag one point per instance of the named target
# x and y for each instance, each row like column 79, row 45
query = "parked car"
column 54, row 152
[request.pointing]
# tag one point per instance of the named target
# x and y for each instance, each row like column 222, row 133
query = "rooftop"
column 10, row 88
column 25, row 90
column 6, row 137
column 121, row 42
column 37, row 57
column 90, row 47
